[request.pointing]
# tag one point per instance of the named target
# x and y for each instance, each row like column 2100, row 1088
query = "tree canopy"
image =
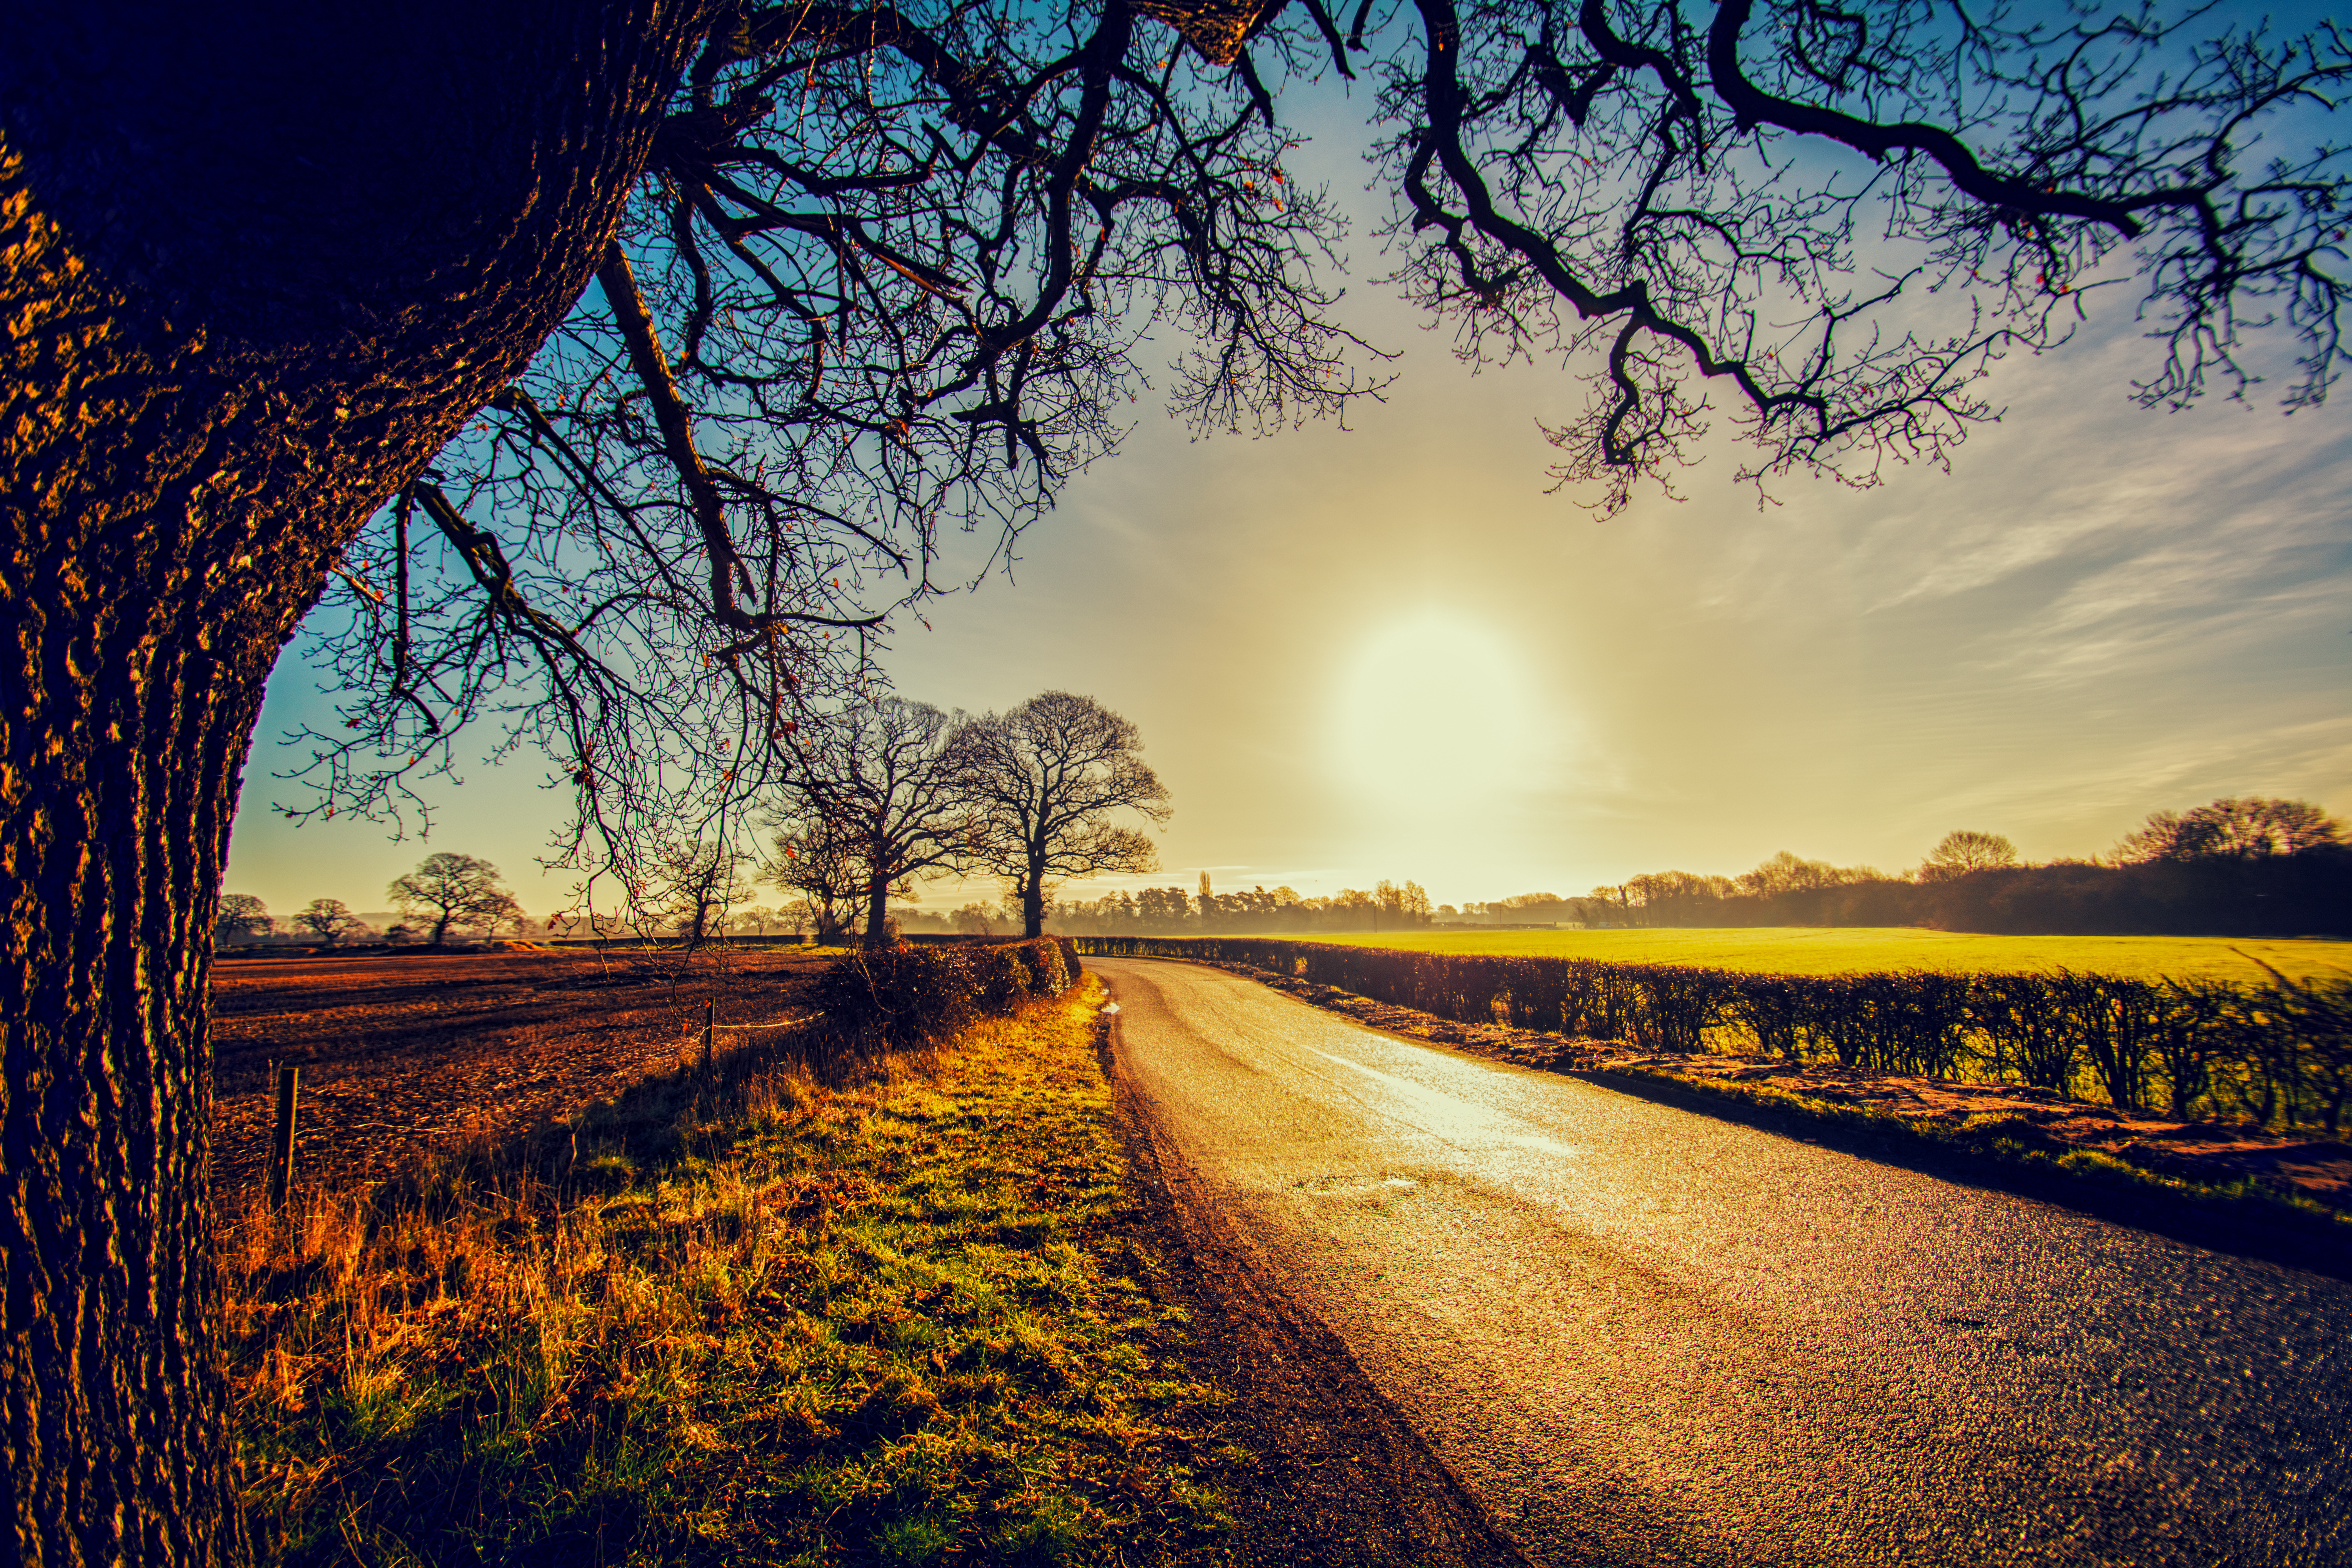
column 1049, row 775
column 452, row 890
column 2243, row 827
column 890, row 274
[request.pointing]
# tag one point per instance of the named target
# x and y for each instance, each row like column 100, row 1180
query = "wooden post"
column 709, row 1022
column 281, row 1145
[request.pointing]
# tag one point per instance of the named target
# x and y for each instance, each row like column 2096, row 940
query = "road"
column 1643, row 1336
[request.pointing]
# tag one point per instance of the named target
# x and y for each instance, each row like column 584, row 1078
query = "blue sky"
column 1386, row 652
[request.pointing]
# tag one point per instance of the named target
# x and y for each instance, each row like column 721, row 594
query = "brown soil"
column 2208, row 1152
column 414, row 1053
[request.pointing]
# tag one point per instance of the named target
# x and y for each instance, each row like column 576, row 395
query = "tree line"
column 887, row 793
column 1387, row 906
column 2240, row 866
column 447, row 892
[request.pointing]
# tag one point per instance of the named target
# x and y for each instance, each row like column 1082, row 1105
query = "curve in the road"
column 1646, row 1336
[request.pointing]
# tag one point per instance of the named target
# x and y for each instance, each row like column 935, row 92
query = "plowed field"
column 403, row 1055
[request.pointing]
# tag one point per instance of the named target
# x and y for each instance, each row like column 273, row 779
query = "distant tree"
column 1049, row 775
column 1165, row 907
column 450, row 890
column 1787, row 873
column 888, row 782
column 501, row 911
column 819, row 861
column 2245, row 827
column 241, row 916
column 755, row 919
column 1961, row 852
column 328, row 919
column 1677, row 898
column 976, row 920
column 693, row 886
column 1402, row 906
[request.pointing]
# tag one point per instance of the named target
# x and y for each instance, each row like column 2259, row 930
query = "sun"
column 1435, row 721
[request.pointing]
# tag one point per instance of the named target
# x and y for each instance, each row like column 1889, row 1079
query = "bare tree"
column 263, row 275
column 1049, row 774
column 884, row 282
column 819, row 860
column 1829, row 221
column 693, row 887
column 451, row 889
column 241, row 915
column 328, row 919
column 888, row 785
column 1965, row 850
column 2245, row 828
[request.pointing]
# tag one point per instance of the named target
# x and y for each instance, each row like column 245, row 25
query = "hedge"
column 909, row 997
column 2278, row 1054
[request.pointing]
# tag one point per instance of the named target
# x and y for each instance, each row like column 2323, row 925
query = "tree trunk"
column 257, row 264
column 877, row 913
column 1033, row 899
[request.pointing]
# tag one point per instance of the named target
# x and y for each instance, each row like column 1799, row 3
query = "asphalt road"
column 1643, row 1336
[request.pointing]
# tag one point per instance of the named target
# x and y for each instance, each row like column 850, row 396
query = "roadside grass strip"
column 1992, row 1138
column 890, row 1321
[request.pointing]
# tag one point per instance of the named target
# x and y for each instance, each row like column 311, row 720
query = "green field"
column 1838, row 950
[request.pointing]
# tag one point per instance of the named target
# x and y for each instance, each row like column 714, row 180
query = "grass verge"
column 2001, row 1140
column 891, row 1321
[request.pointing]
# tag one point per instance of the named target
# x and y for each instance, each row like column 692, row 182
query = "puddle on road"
column 1368, row 1190
column 1462, row 1123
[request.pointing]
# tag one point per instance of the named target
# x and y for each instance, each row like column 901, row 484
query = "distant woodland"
column 2244, row 866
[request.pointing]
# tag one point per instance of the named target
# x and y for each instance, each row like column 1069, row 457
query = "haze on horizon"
column 1386, row 652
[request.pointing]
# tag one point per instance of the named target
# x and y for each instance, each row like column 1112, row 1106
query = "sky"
column 1385, row 651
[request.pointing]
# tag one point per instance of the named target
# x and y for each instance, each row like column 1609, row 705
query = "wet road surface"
column 1643, row 1336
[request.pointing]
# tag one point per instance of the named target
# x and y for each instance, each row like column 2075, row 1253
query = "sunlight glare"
column 1436, row 720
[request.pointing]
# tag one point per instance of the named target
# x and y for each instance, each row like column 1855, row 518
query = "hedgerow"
column 2278, row 1054
column 911, row 997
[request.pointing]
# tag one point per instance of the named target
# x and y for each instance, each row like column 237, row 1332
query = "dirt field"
column 405, row 1055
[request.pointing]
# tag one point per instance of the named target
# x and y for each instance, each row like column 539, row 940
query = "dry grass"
column 782, row 1322
column 1847, row 950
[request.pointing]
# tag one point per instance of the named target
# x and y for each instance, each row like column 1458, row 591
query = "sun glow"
column 1439, row 735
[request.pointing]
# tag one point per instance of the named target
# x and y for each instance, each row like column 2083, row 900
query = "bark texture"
column 257, row 264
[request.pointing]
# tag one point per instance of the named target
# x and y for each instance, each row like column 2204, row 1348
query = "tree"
column 1675, row 192
column 328, row 919
column 2245, row 827
column 886, row 784
column 241, row 915
column 1789, row 873
column 889, row 268
column 1959, row 853
column 1050, row 774
column 819, row 860
column 693, row 887
column 497, row 912
column 451, row 889
column 265, row 265
column 1404, row 906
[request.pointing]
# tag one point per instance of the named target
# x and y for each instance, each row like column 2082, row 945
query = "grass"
column 1983, row 1136
column 1838, row 950
column 890, row 1321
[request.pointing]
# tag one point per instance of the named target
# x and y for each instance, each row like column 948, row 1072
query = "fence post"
column 710, row 1021
column 281, row 1144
